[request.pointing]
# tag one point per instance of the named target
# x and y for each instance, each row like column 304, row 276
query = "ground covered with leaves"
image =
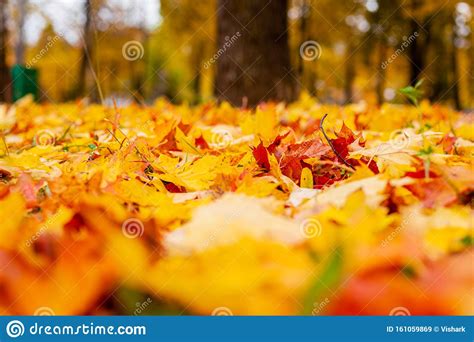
column 218, row 210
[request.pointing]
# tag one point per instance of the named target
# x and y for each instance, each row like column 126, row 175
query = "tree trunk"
column 419, row 47
column 138, row 77
column 20, row 43
column 415, row 54
column 455, row 71
column 303, row 36
column 349, row 74
column 86, row 51
column 348, row 83
column 196, row 62
column 196, row 86
column 253, row 57
column 307, row 76
column 312, row 80
column 4, row 72
column 380, row 80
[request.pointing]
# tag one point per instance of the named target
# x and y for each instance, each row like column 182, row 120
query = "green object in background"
column 25, row 81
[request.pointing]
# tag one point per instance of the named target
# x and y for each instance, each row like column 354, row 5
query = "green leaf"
column 409, row 271
column 419, row 83
column 426, row 151
column 129, row 301
column 328, row 278
column 467, row 241
column 414, row 94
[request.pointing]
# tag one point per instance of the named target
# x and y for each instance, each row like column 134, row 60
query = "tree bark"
column 253, row 57
column 349, row 74
column 4, row 72
column 380, row 80
column 415, row 55
column 303, row 35
column 137, row 77
column 419, row 47
column 20, row 43
column 86, row 51
column 455, row 71
column 196, row 62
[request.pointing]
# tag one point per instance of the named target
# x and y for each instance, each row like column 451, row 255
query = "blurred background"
column 241, row 51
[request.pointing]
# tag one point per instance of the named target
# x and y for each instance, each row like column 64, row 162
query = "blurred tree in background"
column 86, row 66
column 4, row 73
column 255, row 62
column 186, row 39
column 366, row 49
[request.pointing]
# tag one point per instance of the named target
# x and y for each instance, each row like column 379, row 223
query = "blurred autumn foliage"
column 244, row 157
column 368, row 49
column 265, row 211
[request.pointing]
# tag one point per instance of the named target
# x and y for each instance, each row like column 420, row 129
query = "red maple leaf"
column 201, row 142
column 273, row 146
column 434, row 192
column 345, row 137
column 261, row 156
column 292, row 156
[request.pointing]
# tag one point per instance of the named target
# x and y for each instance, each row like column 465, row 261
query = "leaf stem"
column 330, row 143
column 7, row 151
